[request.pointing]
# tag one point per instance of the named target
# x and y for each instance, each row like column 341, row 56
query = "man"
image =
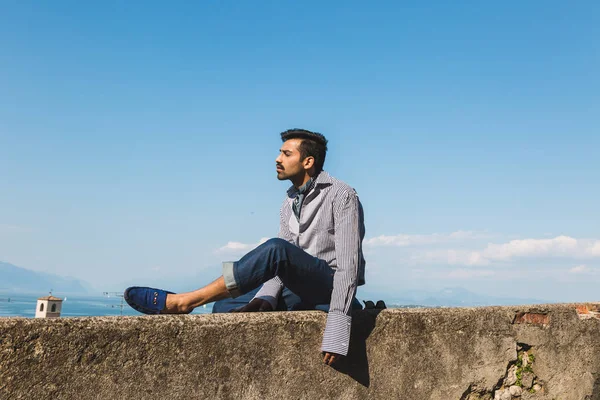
column 317, row 256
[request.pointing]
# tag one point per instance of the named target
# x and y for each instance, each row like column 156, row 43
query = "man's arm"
column 336, row 338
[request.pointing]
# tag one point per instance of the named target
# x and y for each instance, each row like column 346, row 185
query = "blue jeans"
column 288, row 301
column 308, row 280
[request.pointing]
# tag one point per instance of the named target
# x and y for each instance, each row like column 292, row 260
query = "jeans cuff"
column 230, row 282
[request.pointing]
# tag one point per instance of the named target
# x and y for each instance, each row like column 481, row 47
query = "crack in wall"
column 518, row 379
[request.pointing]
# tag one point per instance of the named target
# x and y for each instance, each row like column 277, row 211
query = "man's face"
column 289, row 163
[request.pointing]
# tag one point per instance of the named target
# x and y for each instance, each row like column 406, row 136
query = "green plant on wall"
column 519, row 370
column 528, row 368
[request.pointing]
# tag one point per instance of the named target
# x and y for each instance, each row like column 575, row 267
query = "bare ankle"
column 177, row 304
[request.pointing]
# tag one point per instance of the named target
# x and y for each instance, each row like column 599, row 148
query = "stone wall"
column 531, row 352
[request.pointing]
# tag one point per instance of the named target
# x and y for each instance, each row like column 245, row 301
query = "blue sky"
column 137, row 139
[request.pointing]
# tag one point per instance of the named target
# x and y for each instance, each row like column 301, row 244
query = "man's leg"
column 184, row 303
column 307, row 276
column 230, row 304
column 288, row 301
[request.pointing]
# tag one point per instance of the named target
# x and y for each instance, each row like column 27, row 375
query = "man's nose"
column 278, row 159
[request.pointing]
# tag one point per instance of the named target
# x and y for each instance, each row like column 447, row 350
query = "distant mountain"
column 17, row 279
column 447, row 297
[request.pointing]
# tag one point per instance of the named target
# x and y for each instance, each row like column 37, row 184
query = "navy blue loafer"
column 145, row 299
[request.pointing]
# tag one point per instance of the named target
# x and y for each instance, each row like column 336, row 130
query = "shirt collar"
column 323, row 179
column 306, row 187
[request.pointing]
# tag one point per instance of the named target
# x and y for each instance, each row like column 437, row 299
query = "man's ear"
column 308, row 162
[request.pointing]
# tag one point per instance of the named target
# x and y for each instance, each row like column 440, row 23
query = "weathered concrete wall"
column 413, row 354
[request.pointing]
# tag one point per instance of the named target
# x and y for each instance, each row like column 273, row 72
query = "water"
column 23, row 305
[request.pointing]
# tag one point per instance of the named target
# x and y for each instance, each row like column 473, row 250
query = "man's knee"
column 275, row 244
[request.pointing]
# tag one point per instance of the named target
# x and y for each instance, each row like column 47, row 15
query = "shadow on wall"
column 356, row 364
column 596, row 390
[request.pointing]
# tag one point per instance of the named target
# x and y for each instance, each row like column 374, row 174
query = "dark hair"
column 313, row 145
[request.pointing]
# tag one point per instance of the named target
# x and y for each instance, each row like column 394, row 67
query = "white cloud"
column 579, row 269
column 558, row 246
column 461, row 248
column 237, row 247
column 470, row 273
column 594, row 249
column 406, row 240
column 582, row 270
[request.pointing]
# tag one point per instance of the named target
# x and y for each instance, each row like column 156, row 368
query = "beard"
column 281, row 175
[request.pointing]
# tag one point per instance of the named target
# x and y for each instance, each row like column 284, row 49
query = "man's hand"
column 254, row 306
column 331, row 358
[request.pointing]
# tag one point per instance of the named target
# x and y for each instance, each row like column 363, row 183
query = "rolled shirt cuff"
column 229, row 277
column 336, row 338
column 272, row 300
column 271, row 288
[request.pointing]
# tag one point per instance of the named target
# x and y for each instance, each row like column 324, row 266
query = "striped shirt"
column 331, row 227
